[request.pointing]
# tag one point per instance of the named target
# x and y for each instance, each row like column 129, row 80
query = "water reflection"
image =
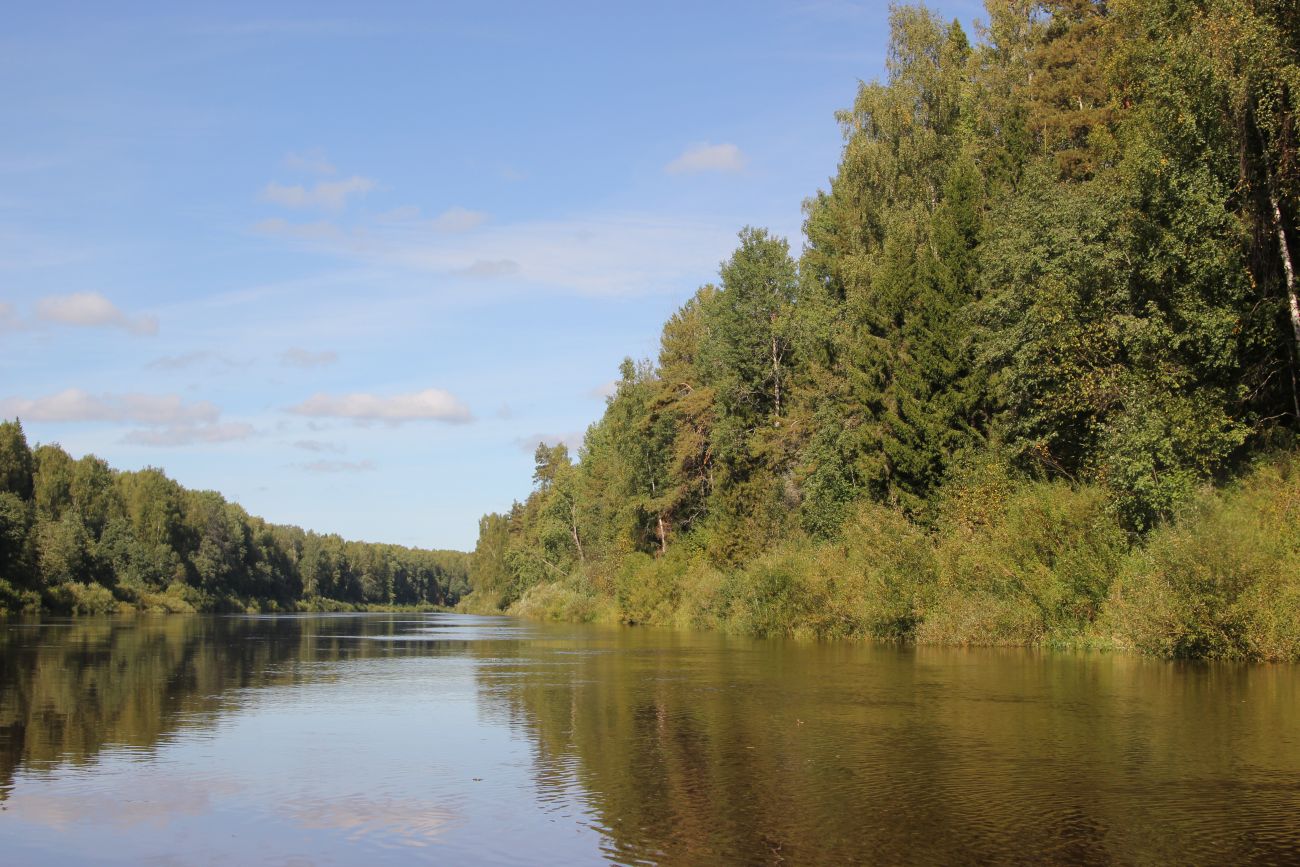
column 695, row 749
column 361, row 739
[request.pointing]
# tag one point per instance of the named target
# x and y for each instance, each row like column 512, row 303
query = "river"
column 451, row 739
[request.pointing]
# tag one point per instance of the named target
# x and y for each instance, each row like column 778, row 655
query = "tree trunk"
column 573, row 529
column 663, row 536
column 1288, row 269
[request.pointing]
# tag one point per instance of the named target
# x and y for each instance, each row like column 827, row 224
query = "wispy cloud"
column 338, row 466
column 604, row 390
column 92, row 310
column 459, row 220
column 432, row 404
column 189, row 434
column 296, row 357
column 404, row 213
column 572, row 439
column 327, row 195
column 76, row 405
column 490, row 268
column 707, row 157
column 601, row 255
column 313, row 162
column 319, row 446
column 189, row 360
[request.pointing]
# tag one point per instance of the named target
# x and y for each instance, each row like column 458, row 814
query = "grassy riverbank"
column 90, row 599
column 1006, row 563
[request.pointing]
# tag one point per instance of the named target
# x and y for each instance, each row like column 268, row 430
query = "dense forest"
column 1033, row 378
column 78, row 537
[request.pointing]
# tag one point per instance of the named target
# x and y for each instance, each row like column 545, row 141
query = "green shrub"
column 703, row 602
column 648, row 589
column 571, row 600
column 16, row 601
column 1037, row 570
column 878, row 577
column 1223, row 582
column 74, row 597
column 770, row 596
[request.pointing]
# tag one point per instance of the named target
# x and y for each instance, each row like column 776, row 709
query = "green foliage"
column 16, row 462
column 1224, row 581
column 570, row 600
column 1042, row 308
column 1038, row 569
column 87, row 540
column 15, row 526
column 74, row 597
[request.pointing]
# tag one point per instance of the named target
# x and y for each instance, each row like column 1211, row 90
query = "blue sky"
column 347, row 268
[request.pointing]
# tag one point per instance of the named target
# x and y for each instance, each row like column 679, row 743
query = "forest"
column 1031, row 377
column 78, row 537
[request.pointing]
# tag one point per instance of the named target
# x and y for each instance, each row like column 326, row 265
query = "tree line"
column 1041, row 342
column 77, row 536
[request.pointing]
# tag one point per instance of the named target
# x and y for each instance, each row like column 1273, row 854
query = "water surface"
column 375, row 739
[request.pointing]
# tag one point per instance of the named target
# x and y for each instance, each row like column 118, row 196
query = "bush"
column 703, row 600
column 1037, row 570
column 16, row 601
column 570, row 600
column 74, row 597
column 648, row 589
column 1224, row 581
column 481, row 601
column 879, row 576
column 770, row 596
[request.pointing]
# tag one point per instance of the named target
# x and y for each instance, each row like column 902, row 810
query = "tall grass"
column 1005, row 562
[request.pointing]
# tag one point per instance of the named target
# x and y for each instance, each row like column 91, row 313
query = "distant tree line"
column 1047, row 308
column 78, row 536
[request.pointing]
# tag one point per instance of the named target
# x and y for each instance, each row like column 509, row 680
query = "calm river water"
column 376, row 739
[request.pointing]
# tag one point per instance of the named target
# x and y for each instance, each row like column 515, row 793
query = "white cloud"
column 459, row 220
column 605, row 389
column 92, row 310
column 493, row 268
column 319, row 446
column 602, row 255
column 400, row 214
column 432, row 404
column 572, row 439
column 310, row 161
column 295, row 357
column 338, row 466
column 707, row 158
column 188, row 434
column 329, row 195
column 320, row 231
column 76, row 405
column 189, row 360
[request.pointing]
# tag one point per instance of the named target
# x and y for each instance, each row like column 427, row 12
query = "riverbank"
column 1024, row 564
column 84, row 600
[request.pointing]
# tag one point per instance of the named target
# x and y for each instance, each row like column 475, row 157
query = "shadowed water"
column 372, row 739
